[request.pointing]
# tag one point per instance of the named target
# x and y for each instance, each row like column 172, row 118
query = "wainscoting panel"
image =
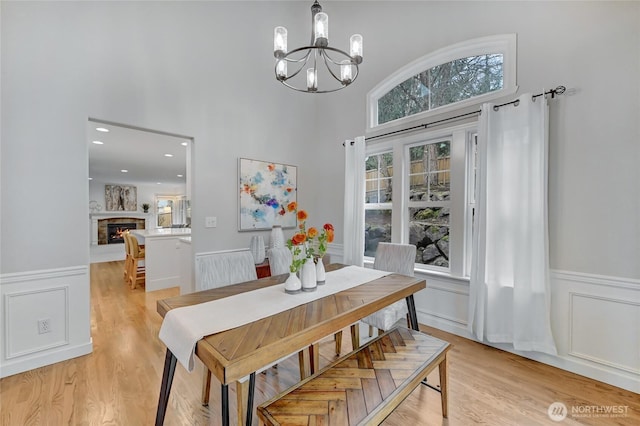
column 613, row 323
column 60, row 296
column 22, row 332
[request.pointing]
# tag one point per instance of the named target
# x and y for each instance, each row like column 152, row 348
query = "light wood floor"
column 118, row 384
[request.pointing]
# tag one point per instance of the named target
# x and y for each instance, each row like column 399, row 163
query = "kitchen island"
column 162, row 256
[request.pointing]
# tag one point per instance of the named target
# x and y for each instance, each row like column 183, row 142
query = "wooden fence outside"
column 417, row 175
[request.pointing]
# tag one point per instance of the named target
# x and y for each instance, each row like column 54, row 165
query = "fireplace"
column 116, row 230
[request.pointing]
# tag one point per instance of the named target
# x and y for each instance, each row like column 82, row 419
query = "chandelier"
column 340, row 69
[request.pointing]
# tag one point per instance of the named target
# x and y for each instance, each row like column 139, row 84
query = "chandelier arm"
column 324, row 56
column 305, row 58
column 342, row 52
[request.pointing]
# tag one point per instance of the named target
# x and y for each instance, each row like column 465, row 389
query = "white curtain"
column 354, row 176
column 509, row 295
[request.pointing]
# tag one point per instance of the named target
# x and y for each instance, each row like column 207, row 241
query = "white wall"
column 190, row 68
column 146, row 193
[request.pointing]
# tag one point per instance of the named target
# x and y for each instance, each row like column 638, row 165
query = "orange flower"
column 330, row 236
column 312, row 233
column 298, row 239
column 302, row 215
column 271, row 167
column 292, row 206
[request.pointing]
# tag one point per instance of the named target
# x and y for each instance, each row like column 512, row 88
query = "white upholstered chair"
column 219, row 270
column 396, row 258
column 224, row 268
column 279, row 260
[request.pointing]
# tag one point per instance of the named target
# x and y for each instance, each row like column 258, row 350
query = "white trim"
column 501, row 43
column 45, row 274
column 48, row 358
column 602, row 280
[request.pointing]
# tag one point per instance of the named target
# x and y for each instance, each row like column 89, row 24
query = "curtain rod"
column 553, row 92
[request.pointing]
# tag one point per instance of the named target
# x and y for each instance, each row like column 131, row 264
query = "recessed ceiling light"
column 98, row 142
column 90, row 178
column 179, row 175
column 168, row 155
column 159, row 183
column 124, row 171
column 184, row 144
column 102, row 129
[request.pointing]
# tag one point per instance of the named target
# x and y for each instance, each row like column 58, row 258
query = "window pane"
column 442, row 85
column 429, row 232
column 429, row 177
column 378, row 178
column 377, row 228
column 439, row 186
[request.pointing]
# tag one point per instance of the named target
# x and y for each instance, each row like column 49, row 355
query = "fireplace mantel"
column 118, row 214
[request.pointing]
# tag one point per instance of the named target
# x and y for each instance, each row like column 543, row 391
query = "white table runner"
column 183, row 327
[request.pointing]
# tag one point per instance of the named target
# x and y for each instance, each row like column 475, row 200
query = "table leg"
column 252, row 388
column 165, row 388
column 224, row 396
column 413, row 318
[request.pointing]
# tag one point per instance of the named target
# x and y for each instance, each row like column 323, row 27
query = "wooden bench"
column 365, row 386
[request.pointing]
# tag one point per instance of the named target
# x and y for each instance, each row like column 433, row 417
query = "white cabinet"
column 163, row 256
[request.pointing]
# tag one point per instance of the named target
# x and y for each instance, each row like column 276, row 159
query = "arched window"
column 466, row 73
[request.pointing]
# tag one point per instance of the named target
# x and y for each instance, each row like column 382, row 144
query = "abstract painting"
column 268, row 195
column 121, row 198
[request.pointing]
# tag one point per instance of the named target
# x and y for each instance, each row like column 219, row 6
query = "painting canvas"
column 267, row 191
column 121, row 198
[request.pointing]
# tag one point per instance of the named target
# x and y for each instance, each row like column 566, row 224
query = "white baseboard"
column 50, row 357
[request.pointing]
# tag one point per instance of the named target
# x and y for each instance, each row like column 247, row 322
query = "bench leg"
column 314, row 357
column 444, row 383
column 338, row 338
column 301, row 366
column 355, row 336
column 206, row 386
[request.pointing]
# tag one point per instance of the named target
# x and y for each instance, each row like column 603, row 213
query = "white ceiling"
column 140, row 152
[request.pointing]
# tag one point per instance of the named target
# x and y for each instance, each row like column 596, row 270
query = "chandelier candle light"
column 341, row 69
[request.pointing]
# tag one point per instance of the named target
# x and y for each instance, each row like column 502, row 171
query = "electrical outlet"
column 210, row 222
column 44, row 326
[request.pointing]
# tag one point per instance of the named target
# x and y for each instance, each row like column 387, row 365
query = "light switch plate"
column 210, row 222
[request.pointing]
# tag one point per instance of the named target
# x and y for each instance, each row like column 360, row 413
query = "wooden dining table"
column 240, row 352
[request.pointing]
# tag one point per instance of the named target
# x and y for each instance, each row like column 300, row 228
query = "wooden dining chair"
column 396, row 258
column 127, row 255
column 137, row 272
